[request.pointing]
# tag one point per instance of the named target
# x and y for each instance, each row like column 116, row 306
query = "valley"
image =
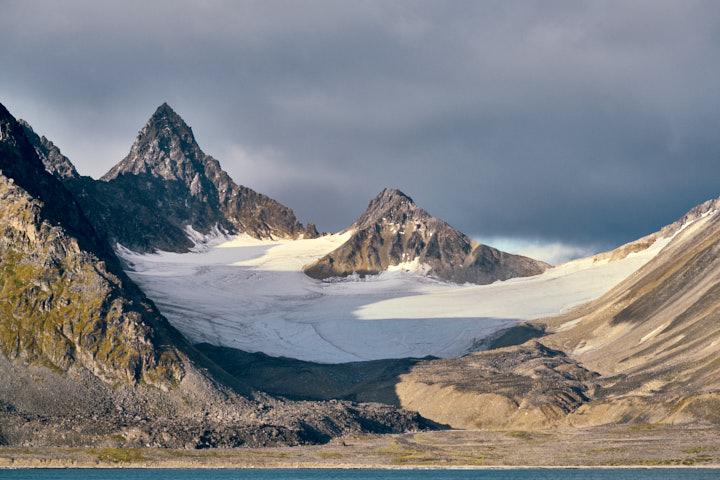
column 165, row 306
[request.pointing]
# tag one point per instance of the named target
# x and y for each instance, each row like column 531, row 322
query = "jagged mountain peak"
column 164, row 122
column 166, row 184
column 393, row 193
column 164, row 148
column 165, row 110
column 388, row 198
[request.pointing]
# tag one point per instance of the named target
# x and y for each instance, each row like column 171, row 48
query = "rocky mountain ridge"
column 167, row 184
column 394, row 230
column 55, row 162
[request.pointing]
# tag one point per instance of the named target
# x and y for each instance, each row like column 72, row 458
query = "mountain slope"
column 65, row 301
column 655, row 336
column 648, row 348
column 86, row 358
column 394, row 231
column 167, row 185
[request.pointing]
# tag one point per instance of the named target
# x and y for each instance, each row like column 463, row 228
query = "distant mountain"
column 167, row 184
column 87, row 359
column 646, row 352
column 395, row 231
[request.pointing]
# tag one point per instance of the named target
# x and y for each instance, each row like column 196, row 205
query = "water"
column 525, row 474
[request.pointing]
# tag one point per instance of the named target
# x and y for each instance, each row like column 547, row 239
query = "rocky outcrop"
column 522, row 387
column 394, row 230
column 86, row 358
column 167, row 184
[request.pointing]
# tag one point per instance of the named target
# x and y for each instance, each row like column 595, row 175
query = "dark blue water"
column 530, row 474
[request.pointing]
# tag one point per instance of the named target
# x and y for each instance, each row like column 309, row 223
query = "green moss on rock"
column 59, row 305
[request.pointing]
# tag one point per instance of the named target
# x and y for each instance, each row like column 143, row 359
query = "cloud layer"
column 578, row 122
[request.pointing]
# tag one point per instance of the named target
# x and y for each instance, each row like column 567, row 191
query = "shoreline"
column 378, row 467
column 609, row 447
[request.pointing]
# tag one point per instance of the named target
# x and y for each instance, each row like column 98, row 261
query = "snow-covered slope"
column 251, row 294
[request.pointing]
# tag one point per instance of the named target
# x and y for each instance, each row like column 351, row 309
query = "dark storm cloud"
column 579, row 122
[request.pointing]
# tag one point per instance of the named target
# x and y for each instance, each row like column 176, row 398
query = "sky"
column 558, row 127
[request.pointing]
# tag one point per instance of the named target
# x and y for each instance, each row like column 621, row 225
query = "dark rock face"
column 166, row 184
column 54, row 161
column 86, row 358
column 394, row 230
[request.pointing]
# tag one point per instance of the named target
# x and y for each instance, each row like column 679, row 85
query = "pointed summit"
column 166, row 122
column 394, row 231
column 167, row 184
column 165, row 110
column 392, row 195
column 388, row 199
column 390, row 206
column 164, row 148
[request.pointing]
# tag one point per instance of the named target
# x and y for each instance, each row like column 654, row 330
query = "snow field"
column 251, row 294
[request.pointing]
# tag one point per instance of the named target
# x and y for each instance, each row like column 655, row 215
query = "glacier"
column 252, row 295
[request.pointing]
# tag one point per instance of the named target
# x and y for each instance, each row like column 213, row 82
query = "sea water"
column 329, row 474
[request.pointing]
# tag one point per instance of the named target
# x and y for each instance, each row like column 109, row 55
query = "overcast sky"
column 564, row 126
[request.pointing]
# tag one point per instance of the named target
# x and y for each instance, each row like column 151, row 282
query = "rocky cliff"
column 394, row 230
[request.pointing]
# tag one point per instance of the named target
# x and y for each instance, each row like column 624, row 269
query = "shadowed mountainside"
column 368, row 381
column 55, row 162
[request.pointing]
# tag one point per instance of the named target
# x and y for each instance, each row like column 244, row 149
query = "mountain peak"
column 164, row 111
column 164, row 148
column 391, row 205
column 392, row 196
column 394, row 231
column 168, row 183
column 392, row 192
column 166, row 123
